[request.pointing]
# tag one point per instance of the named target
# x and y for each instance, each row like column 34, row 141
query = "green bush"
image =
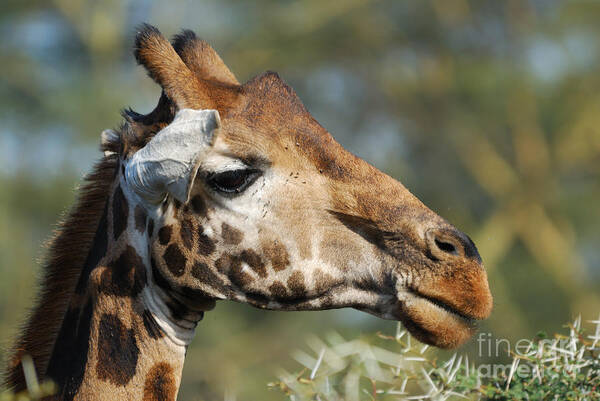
column 565, row 367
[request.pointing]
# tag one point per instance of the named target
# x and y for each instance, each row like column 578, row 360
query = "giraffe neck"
column 122, row 337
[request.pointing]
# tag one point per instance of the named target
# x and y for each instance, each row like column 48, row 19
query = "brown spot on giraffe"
column 239, row 277
column 296, row 284
column 198, row 205
column 118, row 351
column 126, row 276
column 175, row 260
column 206, row 246
column 231, row 265
column 120, row 211
column 230, row 235
column 164, row 234
column 254, row 261
column 206, row 275
column 278, row 290
column 223, row 263
column 160, row 383
column 140, row 218
column 276, row 252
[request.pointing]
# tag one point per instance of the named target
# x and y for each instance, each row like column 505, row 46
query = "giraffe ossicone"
column 229, row 191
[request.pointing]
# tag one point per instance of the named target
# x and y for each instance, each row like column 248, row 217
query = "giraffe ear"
column 169, row 162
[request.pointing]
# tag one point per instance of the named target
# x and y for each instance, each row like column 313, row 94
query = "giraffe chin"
column 434, row 323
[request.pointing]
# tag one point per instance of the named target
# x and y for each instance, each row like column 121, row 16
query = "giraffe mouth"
column 446, row 307
column 434, row 321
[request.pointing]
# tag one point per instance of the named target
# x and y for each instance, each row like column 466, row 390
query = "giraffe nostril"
column 446, row 243
column 446, row 247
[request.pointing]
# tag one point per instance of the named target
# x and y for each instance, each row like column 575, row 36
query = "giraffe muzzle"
column 443, row 307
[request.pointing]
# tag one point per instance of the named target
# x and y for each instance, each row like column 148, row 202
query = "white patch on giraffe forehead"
column 168, row 163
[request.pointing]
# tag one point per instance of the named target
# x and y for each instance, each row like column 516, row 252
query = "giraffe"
column 229, row 191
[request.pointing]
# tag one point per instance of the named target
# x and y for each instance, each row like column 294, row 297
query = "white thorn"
column 314, row 371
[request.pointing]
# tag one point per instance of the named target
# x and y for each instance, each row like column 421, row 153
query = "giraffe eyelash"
column 233, row 181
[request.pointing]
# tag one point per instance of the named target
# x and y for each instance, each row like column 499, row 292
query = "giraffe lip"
column 470, row 320
column 432, row 321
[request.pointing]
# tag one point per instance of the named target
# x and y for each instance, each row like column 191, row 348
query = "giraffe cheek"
column 339, row 249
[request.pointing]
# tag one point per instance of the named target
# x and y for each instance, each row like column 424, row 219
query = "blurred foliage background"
column 488, row 111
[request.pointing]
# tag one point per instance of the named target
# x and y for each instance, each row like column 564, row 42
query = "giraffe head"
column 251, row 200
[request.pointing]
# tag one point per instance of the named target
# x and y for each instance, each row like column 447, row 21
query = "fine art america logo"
column 529, row 358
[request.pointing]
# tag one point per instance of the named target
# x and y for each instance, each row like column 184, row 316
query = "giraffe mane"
column 66, row 255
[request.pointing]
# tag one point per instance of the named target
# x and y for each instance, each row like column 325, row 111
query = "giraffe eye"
column 233, row 181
